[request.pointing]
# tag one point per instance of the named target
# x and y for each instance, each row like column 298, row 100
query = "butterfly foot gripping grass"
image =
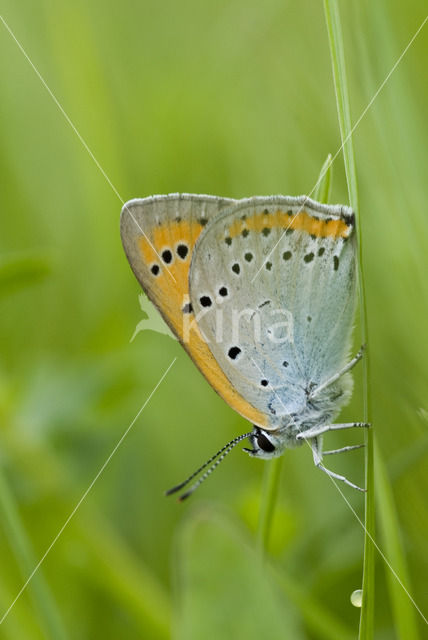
column 261, row 294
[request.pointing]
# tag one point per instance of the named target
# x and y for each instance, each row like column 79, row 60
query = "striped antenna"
column 217, row 457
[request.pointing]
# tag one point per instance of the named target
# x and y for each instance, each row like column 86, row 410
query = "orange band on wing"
column 162, row 237
column 301, row 221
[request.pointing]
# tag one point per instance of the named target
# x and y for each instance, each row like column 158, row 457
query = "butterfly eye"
column 264, row 443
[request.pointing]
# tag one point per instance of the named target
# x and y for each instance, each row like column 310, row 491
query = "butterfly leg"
column 338, row 375
column 317, row 455
column 317, row 431
column 343, row 449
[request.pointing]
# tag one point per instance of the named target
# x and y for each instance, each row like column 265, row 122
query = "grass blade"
column 325, row 180
column 44, row 603
column 342, row 99
column 402, row 608
column 341, row 88
column 271, row 477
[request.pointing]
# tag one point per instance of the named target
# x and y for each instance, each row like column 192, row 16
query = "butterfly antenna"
column 217, row 457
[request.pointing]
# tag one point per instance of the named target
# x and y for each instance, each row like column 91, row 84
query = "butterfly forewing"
column 159, row 236
column 272, row 284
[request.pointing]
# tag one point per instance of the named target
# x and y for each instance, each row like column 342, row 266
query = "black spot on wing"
column 205, row 301
column 167, row 256
column 233, row 352
column 182, row 251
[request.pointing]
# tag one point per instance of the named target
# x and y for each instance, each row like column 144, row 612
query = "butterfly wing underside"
column 159, row 235
column 286, row 315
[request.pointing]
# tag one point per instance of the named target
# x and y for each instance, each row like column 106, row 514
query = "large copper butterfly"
column 261, row 294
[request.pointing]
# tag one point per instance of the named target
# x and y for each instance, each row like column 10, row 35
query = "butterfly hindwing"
column 276, row 321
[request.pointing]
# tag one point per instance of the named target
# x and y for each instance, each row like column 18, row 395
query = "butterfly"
column 261, row 293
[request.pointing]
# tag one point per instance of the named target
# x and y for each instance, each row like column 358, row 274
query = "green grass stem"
column 323, row 188
column 44, row 603
column 271, row 476
column 344, row 115
column 403, row 610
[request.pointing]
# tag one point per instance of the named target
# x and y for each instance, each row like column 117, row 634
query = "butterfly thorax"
column 314, row 411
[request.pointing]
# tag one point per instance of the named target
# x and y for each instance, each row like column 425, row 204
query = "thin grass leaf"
column 331, row 10
column 342, row 99
column 403, row 610
column 269, row 495
column 322, row 191
column 49, row 616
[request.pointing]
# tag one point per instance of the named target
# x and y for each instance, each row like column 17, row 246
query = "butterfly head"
column 266, row 444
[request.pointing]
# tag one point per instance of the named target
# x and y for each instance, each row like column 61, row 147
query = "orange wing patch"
column 169, row 249
column 170, row 271
column 301, row 221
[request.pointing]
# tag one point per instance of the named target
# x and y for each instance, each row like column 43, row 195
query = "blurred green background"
column 233, row 98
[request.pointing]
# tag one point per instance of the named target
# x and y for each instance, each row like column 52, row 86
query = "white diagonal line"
column 82, row 140
column 116, row 447
column 328, row 165
column 354, row 512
